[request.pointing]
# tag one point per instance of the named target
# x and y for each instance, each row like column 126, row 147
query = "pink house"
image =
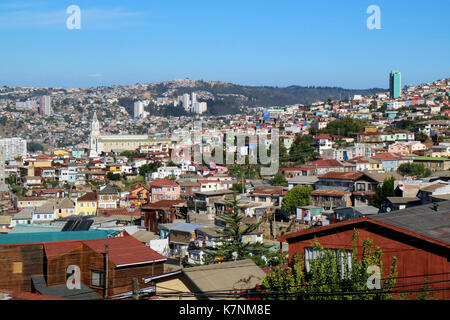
column 163, row 189
column 398, row 148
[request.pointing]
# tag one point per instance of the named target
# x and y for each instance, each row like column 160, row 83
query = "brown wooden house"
column 43, row 267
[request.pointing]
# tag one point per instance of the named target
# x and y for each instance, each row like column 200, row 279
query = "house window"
column 97, row 278
column 17, row 267
column 342, row 257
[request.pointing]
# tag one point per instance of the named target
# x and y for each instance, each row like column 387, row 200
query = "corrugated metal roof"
column 52, row 236
column 422, row 220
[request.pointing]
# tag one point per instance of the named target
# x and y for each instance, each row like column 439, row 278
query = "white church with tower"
column 106, row 143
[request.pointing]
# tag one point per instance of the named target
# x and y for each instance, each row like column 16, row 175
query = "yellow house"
column 60, row 152
column 114, row 168
column 87, row 204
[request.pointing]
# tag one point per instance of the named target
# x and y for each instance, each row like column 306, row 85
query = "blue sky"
column 253, row 42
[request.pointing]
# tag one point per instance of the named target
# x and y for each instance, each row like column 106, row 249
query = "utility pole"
column 136, row 295
column 106, row 271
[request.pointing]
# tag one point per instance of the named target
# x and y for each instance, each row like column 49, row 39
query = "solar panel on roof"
column 84, row 225
column 68, row 226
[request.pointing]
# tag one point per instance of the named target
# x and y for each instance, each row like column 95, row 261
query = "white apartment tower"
column 138, row 109
column 186, row 102
column 13, row 147
column 2, row 165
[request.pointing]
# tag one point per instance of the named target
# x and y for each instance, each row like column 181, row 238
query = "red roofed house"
column 343, row 189
column 295, row 172
column 163, row 189
column 43, row 267
column 270, row 195
column 422, row 249
column 324, row 165
column 164, row 211
column 389, row 162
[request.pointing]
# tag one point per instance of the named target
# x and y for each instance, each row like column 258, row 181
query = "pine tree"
column 231, row 246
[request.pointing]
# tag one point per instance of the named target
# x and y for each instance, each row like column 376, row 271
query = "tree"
column 237, row 187
column 297, row 196
column 34, row 146
column 302, row 150
column 232, row 247
column 382, row 192
column 414, row 169
column 345, row 126
column 113, row 176
column 279, row 180
column 422, row 137
column 330, row 277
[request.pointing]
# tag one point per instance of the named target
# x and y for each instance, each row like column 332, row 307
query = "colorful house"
column 87, row 204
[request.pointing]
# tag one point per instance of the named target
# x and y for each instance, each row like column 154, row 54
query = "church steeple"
column 95, row 133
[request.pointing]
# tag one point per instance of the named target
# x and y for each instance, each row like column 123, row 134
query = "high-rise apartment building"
column 2, row 165
column 395, row 83
column 45, row 107
column 13, row 147
column 186, row 101
column 138, row 109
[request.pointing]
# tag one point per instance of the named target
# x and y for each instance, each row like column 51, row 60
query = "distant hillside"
column 228, row 98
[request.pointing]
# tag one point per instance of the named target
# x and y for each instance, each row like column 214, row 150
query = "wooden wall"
column 17, row 265
column 415, row 256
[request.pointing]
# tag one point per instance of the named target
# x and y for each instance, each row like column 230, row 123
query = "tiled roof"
column 329, row 192
column 341, row 175
column 267, row 190
column 322, row 136
column 326, row 163
column 385, row 156
column 90, row 196
column 162, row 183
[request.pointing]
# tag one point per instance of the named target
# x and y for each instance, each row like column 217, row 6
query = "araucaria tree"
column 232, row 246
column 332, row 275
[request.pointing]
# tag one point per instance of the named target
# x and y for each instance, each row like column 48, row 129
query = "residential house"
column 44, row 213
column 44, row 266
column 64, row 208
column 87, row 204
column 163, row 189
column 24, row 216
column 269, row 195
column 227, row 277
column 421, row 249
column 434, row 163
column 108, row 197
column 25, row 202
column 389, row 162
column 163, row 211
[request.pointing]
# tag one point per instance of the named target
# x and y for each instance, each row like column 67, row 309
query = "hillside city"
column 114, row 171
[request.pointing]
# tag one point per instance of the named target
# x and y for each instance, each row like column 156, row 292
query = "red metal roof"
column 121, row 250
column 124, row 250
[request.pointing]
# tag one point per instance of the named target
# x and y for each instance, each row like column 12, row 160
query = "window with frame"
column 342, row 257
column 97, row 278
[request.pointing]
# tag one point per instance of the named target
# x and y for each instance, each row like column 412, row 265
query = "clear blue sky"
column 254, row 42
